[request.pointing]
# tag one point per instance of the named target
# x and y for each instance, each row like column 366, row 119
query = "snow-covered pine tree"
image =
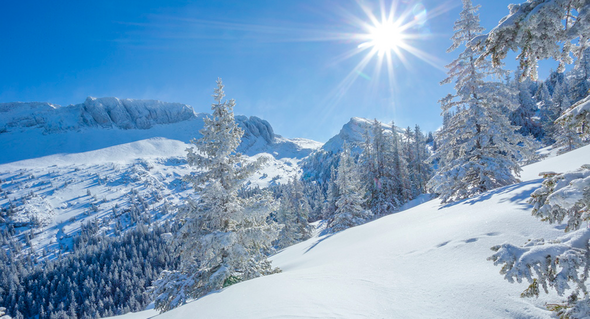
column 548, row 113
column 316, row 199
column 560, row 95
column 409, row 154
column 562, row 264
column 378, row 171
column 292, row 214
column 331, row 196
column 526, row 114
column 349, row 205
column 422, row 171
column 223, row 236
column 575, row 125
column 541, row 29
column 480, row 148
column 580, row 78
column 401, row 181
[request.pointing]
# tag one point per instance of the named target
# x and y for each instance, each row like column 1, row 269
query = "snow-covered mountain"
column 64, row 167
column 428, row 261
column 103, row 122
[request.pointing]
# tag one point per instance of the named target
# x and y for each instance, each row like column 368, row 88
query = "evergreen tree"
column 409, row 154
column 481, row 148
column 422, row 171
column 224, row 236
column 526, row 113
column 574, row 126
column 331, row 196
column 563, row 264
column 401, row 182
column 292, row 214
column 349, row 205
column 377, row 171
column 542, row 29
column 580, row 78
column 548, row 113
column 316, row 198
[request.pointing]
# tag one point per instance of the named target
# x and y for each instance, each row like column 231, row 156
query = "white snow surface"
column 428, row 261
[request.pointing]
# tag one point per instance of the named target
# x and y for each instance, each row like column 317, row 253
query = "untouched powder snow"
column 425, row 262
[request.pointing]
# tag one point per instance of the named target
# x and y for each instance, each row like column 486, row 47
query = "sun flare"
column 388, row 43
column 384, row 37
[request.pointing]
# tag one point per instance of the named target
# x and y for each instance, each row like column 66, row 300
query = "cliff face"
column 33, row 129
column 108, row 112
column 132, row 114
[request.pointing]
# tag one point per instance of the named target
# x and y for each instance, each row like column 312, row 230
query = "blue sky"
column 280, row 60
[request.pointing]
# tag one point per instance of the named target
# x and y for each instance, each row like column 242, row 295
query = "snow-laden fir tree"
column 548, row 113
column 316, row 199
column 223, row 237
column 401, row 181
column 575, row 126
column 563, row 264
column 409, row 153
column 377, row 170
column 480, row 148
column 349, row 205
column 525, row 116
column 332, row 194
column 292, row 214
column 421, row 171
column 579, row 78
column 540, row 29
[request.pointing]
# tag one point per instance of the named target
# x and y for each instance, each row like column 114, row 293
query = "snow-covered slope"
column 56, row 194
column 62, row 167
column 426, row 262
column 31, row 130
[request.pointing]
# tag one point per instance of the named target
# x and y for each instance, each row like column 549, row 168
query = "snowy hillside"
column 103, row 122
column 110, row 161
column 59, row 193
column 425, row 262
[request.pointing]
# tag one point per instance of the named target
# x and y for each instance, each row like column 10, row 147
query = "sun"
column 388, row 38
column 384, row 37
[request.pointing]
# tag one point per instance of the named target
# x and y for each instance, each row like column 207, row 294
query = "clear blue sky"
column 281, row 60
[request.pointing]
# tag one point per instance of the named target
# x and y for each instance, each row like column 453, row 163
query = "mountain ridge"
column 104, row 122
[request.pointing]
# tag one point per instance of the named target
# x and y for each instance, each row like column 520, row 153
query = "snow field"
column 425, row 262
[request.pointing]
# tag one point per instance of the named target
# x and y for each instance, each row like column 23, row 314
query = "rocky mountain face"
column 108, row 121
